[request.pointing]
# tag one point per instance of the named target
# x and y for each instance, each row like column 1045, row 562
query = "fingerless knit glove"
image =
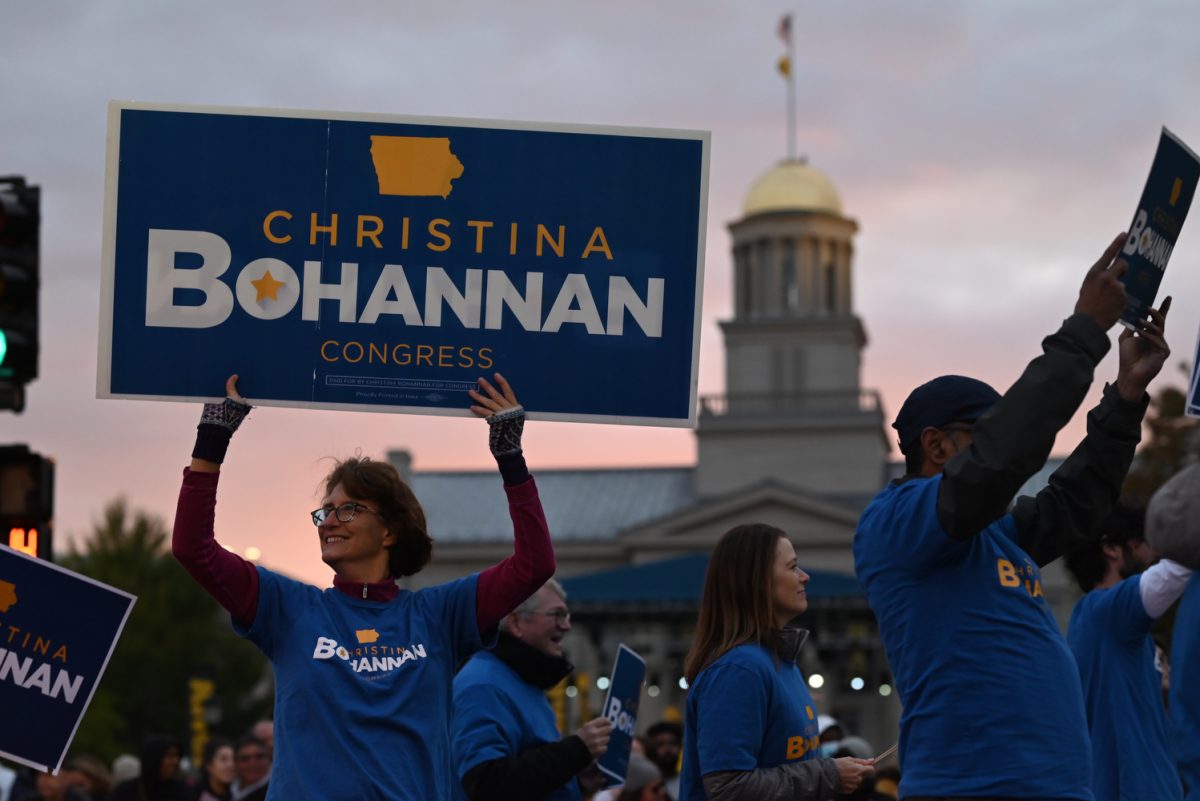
column 218, row 421
column 504, row 436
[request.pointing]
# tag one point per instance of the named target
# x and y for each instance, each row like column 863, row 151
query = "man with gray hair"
column 507, row 744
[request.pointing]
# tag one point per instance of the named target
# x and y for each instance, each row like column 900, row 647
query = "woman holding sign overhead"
column 363, row 669
column 750, row 730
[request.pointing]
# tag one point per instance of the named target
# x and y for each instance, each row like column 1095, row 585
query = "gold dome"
column 792, row 186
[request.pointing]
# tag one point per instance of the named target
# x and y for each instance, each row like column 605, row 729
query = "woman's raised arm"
column 227, row 577
column 503, row 586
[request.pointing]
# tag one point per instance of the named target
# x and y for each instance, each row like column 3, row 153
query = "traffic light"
column 26, row 501
column 20, row 216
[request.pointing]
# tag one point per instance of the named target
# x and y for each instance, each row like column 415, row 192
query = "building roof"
column 580, row 505
column 792, row 185
column 680, row 580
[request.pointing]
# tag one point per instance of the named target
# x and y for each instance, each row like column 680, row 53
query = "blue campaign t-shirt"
column 746, row 710
column 992, row 699
column 1109, row 634
column 363, row 688
column 1185, row 688
column 499, row 716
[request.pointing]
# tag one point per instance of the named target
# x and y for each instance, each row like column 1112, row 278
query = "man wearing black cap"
column 992, row 699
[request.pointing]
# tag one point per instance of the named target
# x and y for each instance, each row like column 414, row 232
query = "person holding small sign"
column 750, row 730
column 993, row 706
column 506, row 741
column 363, row 670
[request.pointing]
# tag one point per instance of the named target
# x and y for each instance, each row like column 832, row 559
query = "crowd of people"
column 229, row 770
column 240, row 770
column 440, row 693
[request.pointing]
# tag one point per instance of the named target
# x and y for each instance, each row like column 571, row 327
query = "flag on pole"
column 785, row 66
column 785, row 29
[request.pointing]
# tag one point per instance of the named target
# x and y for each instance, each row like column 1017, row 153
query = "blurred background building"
column 795, row 442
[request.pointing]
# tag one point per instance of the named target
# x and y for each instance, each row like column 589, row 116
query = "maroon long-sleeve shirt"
column 233, row 581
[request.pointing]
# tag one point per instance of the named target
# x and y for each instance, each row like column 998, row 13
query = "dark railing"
column 807, row 404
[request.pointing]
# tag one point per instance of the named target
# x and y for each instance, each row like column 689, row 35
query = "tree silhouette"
column 175, row 632
column 1171, row 443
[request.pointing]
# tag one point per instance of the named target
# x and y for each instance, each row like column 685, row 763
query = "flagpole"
column 787, row 67
column 791, row 81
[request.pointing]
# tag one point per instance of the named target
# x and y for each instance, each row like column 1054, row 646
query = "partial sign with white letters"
column 384, row 263
column 621, row 707
column 1163, row 207
column 59, row 630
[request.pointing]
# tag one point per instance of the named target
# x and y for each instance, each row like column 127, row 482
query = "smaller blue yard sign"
column 1162, row 209
column 385, row 263
column 621, row 707
column 60, row 628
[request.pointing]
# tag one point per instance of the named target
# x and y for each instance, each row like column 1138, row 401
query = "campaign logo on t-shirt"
column 1027, row 576
column 800, row 745
column 370, row 658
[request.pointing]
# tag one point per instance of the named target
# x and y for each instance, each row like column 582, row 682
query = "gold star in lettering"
column 267, row 287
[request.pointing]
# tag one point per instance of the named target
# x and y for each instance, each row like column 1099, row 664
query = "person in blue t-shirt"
column 1109, row 635
column 991, row 696
column 1173, row 529
column 363, row 669
column 750, row 729
column 507, row 746
column 1185, row 688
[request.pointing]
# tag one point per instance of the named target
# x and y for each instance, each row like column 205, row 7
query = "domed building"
column 794, row 441
column 792, row 185
column 793, row 409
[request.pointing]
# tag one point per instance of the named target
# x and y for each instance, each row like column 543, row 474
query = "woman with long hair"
column 751, row 726
column 363, row 669
column 217, row 771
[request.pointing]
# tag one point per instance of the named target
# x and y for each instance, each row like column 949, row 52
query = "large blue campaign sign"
column 384, row 263
column 57, row 631
column 621, row 707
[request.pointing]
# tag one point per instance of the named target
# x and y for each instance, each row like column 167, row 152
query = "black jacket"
column 538, row 771
column 1012, row 441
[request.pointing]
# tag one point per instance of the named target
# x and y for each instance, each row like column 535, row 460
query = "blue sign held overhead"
column 384, row 263
column 60, row 628
column 1161, row 212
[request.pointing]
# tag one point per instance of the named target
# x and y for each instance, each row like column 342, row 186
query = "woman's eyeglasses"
column 345, row 513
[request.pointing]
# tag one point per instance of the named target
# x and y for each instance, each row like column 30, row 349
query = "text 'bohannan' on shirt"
column 363, row 688
column 746, row 710
column 992, row 700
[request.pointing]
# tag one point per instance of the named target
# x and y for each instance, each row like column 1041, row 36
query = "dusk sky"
column 988, row 153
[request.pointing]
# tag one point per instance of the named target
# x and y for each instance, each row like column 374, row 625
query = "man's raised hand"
column 1102, row 296
column 1142, row 353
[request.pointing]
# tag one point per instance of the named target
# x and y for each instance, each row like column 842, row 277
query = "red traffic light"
column 26, row 501
column 23, row 540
